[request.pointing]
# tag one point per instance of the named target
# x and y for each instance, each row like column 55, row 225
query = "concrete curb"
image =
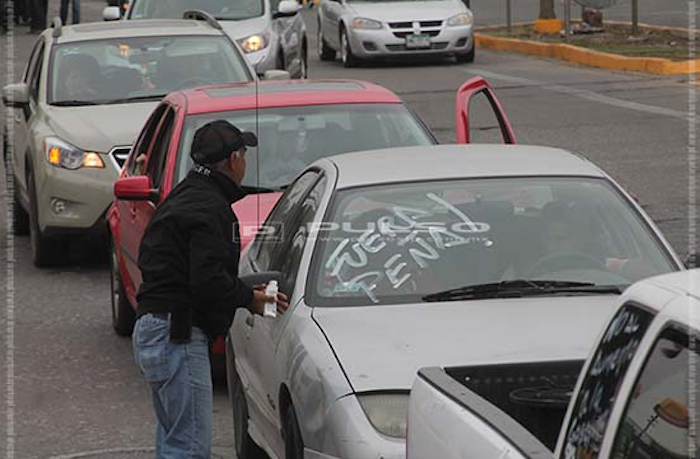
column 583, row 56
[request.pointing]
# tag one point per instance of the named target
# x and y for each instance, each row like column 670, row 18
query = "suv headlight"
column 255, row 42
column 463, row 19
column 62, row 154
column 387, row 412
column 364, row 23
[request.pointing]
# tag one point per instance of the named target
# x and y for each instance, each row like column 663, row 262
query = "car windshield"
column 220, row 9
column 122, row 70
column 291, row 138
column 397, row 243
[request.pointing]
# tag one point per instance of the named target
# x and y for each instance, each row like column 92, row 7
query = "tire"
column 293, row 443
column 346, row 56
column 467, row 57
column 20, row 217
column 325, row 52
column 123, row 315
column 245, row 447
column 46, row 251
column 304, row 72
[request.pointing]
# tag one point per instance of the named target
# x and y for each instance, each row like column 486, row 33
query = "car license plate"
column 418, row 41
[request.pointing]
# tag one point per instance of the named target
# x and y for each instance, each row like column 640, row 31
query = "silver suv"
column 272, row 33
column 84, row 96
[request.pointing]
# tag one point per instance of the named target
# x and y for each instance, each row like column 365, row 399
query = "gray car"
column 272, row 33
column 392, row 264
column 366, row 29
column 84, row 95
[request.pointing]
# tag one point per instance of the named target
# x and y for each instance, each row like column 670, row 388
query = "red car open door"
column 471, row 92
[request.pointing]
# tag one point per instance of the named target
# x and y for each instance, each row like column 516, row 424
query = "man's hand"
column 259, row 300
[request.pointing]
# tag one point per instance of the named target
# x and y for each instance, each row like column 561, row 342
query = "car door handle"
column 250, row 320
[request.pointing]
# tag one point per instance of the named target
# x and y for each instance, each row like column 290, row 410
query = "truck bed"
column 536, row 394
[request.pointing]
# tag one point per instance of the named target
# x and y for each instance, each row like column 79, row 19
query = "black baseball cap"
column 218, row 140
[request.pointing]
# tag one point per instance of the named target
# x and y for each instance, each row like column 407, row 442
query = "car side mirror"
column 137, row 188
column 270, row 75
column 15, row 95
column 693, row 261
column 251, row 280
column 287, row 8
column 111, row 13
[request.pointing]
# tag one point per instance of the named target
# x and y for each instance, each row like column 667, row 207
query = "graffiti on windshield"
column 399, row 246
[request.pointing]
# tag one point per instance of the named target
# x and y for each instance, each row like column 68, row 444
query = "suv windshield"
column 398, row 243
column 291, row 138
column 129, row 69
column 220, row 9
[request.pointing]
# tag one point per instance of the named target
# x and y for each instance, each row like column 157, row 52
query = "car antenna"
column 257, row 148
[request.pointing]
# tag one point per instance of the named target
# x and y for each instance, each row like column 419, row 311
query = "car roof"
column 445, row 162
column 131, row 29
column 684, row 285
column 285, row 93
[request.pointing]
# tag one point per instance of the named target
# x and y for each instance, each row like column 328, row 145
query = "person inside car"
column 81, row 76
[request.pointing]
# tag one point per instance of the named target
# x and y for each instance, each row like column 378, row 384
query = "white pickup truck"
column 636, row 397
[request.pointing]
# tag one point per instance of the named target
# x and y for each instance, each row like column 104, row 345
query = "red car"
column 297, row 122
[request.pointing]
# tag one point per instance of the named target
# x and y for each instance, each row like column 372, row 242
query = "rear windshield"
column 220, row 9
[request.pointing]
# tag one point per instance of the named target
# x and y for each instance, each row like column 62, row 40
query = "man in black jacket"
column 189, row 258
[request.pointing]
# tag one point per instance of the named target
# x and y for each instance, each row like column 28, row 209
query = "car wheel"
column 349, row 59
column 304, row 64
column 246, row 448
column 123, row 315
column 325, row 52
column 293, row 443
column 20, row 217
column 467, row 57
column 45, row 251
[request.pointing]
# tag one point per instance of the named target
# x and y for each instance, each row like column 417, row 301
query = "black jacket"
column 190, row 252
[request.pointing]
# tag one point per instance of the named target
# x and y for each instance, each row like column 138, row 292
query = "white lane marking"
column 582, row 94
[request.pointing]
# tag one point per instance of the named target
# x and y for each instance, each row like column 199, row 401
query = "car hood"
column 99, row 127
column 383, row 347
column 408, row 11
column 252, row 211
column 246, row 27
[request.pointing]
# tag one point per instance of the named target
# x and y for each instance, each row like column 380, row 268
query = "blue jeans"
column 181, row 387
column 64, row 11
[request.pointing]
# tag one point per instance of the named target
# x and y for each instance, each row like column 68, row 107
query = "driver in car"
column 568, row 241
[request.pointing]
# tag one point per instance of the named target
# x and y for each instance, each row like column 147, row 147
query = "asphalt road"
column 77, row 392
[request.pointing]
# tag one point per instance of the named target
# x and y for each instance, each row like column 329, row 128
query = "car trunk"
column 535, row 394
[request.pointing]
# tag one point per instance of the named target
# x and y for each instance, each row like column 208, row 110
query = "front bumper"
column 74, row 201
column 348, row 434
column 388, row 42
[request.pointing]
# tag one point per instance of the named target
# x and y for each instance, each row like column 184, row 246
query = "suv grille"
column 119, row 155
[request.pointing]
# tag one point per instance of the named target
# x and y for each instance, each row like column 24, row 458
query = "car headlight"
column 387, row 412
column 63, row 154
column 364, row 23
column 463, row 19
column 254, row 42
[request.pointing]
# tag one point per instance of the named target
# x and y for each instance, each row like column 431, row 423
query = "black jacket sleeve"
column 210, row 283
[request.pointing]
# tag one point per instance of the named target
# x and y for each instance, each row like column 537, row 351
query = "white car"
column 400, row 258
column 636, row 397
column 362, row 29
column 272, row 33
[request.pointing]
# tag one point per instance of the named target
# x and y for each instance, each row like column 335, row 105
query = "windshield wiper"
column 74, row 103
column 518, row 289
column 125, row 100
